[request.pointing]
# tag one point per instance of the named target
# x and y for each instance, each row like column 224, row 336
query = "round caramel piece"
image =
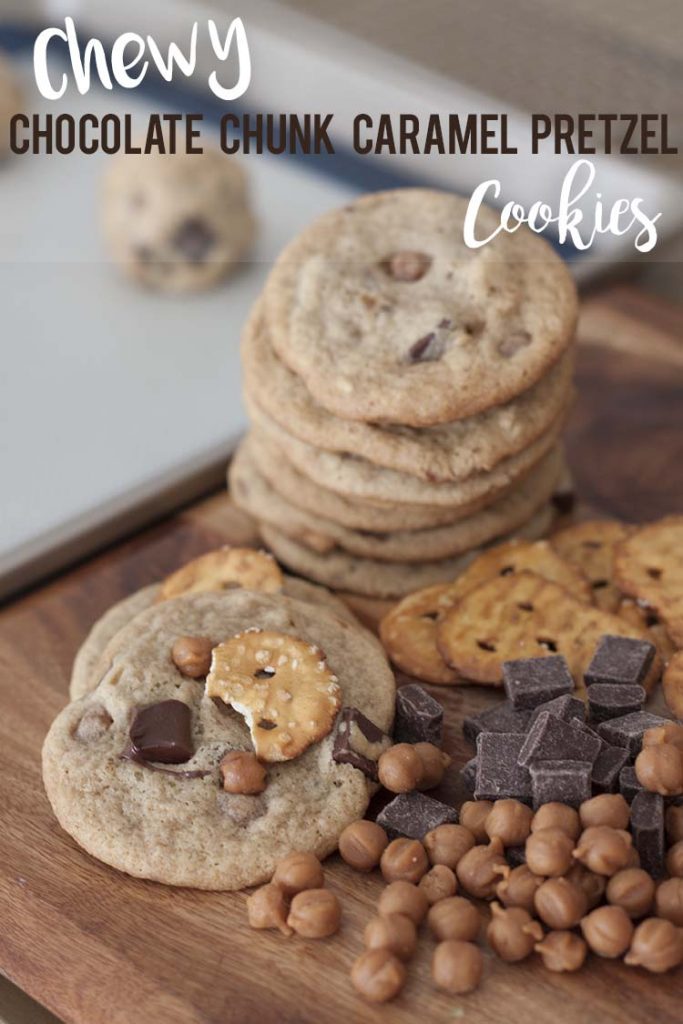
column 457, row 966
column 362, row 844
column 378, row 975
column 404, row 860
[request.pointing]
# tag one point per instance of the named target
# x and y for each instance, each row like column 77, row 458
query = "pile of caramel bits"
column 295, row 900
column 578, row 888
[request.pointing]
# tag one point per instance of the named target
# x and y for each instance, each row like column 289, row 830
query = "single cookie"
column 590, row 547
column 11, row 103
column 177, row 222
column 516, row 556
column 436, row 454
column 87, row 668
column 648, row 565
column 302, row 492
column 408, row 633
column 388, row 316
column 357, row 478
column 672, row 685
column 173, row 822
column 524, row 616
column 251, row 492
column 380, row 579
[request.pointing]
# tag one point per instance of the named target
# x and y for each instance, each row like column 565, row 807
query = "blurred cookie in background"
column 177, row 222
column 11, row 101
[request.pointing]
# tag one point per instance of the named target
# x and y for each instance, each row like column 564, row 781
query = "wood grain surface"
column 97, row 947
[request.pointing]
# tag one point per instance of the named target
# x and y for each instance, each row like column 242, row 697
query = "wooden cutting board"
column 97, row 947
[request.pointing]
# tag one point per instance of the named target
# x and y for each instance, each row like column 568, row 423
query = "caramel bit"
column 512, row 933
column 557, row 815
column 404, row 898
column 518, row 888
column 297, row 872
column 362, row 843
column 457, row 966
column 657, row 946
column 282, row 686
column 510, row 821
column 454, row 918
column 473, row 815
column 191, row 655
column 404, row 860
column 479, row 870
column 669, row 901
column 609, row 809
column 562, row 951
column 438, row 884
column 394, row 932
column 447, row 844
column 267, row 908
column 549, row 852
column 608, row 931
column 315, row 914
column 400, row 768
column 378, row 975
column 560, row 903
column 604, row 850
column 242, row 772
column 407, row 266
column 224, row 569
column 659, row 768
column 631, row 889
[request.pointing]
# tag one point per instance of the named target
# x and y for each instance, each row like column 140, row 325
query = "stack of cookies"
column 407, row 394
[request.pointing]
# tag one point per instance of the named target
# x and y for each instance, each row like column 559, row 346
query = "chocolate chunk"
column 419, row 718
column 529, row 682
column 629, row 786
column 359, row 742
column 512, row 343
column 647, row 829
column 427, row 349
column 607, row 767
column 499, row 718
column 551, row 739
column 162, row 732
column 566, row 782
column 620, row 659
column 613, row 700
column 515, row 856
column 414, row 814
column 194, row 239
column 468, row 774
column 498, row 773
column 628, row 730
column 566, row 707
column 564, row 501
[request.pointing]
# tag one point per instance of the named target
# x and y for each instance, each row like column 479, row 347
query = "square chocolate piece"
column 628, row 730
column 647, row 828
column 498, row 774
column 359, row 742
column 529, row 682
column 629, row 787
column 564, row 782
column 468, row 774
column 500, row 718
column 620, row 659
column 419, row 718
column 551, row 739
column 414, row 814
column 607, row 768
column 566, row 707
column 162, row 732
column 613, row 700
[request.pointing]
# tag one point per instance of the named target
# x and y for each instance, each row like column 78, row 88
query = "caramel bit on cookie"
column 224, row 569
column 407, row 267
column 191, row 655
column 282, row 686
column 94, row 723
